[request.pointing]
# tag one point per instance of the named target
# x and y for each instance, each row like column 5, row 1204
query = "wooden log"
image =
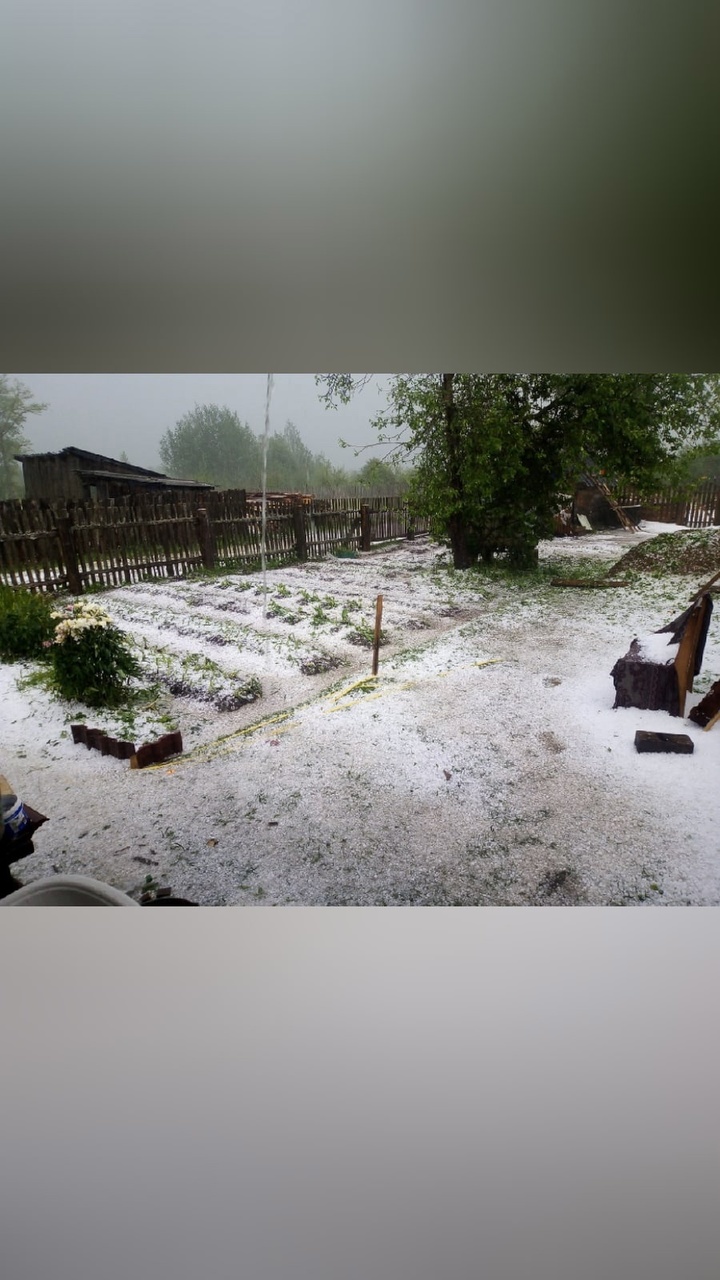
column 665, row 743
column 588, row 583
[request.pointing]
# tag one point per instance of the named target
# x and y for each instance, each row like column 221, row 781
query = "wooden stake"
column 376, row 639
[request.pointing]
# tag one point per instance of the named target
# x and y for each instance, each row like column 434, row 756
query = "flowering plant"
column 78, row 617
column 91, row 658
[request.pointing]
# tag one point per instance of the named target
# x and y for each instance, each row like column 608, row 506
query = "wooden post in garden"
column 202, row 526
column 298, row 518
column 376, row 638
column 364, row 526
column 67, row 549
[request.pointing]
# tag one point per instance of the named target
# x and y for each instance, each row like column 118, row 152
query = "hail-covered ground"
column 485, row 766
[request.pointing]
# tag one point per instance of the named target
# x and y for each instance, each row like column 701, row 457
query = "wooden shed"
column 77, row 473
column 594, row 500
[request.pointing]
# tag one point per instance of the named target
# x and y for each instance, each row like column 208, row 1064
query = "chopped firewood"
column 673, row 743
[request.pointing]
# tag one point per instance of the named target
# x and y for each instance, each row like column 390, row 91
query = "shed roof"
column 153, row 480
column 72, row 451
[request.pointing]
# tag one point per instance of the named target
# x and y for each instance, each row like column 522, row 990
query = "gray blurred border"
column 357, row 1093
column 510, row 185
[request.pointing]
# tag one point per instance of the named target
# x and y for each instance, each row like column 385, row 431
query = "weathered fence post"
column 364, row 526
column 376, row 636
column 202, row 526
column 298, row 518
column 67, row 548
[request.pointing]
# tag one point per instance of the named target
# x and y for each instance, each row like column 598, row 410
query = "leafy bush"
column 91, row 659
column 25, row 624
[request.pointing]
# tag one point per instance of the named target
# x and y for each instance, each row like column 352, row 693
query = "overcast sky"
column 111, row 412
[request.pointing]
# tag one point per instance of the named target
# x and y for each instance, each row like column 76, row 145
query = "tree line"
column 211, row 444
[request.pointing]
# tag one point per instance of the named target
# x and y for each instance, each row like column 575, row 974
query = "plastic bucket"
column 14, row 815
column 68, row 891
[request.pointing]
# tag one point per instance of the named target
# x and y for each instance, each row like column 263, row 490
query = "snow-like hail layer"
column 484, row 766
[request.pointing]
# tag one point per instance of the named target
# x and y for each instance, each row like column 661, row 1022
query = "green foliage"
column 703, row 464
column 211, row 444
column 26, row 624
column 16, row 404
column 91, row 658
column 492, row 451
column 290, row 464
column 363, row 634
column 328, row 479
column 383, row 479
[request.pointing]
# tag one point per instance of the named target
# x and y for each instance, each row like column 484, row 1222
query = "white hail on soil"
column 485, row 766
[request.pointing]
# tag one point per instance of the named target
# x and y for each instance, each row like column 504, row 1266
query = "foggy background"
column 112, row 413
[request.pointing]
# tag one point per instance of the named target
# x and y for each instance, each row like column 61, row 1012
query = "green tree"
column 329, row 480
column 16, row 404
column 704, row 465
column 492, row 451
column 290, row 464
column 383, row 478
column 211, row 444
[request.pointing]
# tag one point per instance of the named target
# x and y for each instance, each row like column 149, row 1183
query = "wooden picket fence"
column 696, row 508
column 74, row 546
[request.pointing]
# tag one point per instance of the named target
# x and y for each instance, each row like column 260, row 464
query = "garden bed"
column 485, row 766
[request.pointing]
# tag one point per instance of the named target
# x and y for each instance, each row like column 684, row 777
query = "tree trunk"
column 464, row 546
column 524, row 557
